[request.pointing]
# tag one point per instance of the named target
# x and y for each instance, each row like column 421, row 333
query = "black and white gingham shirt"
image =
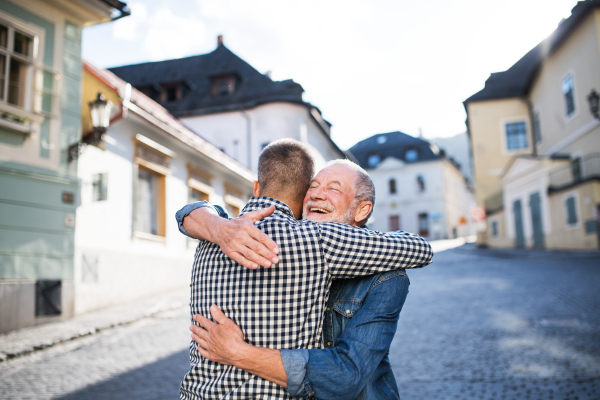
column 282, row 307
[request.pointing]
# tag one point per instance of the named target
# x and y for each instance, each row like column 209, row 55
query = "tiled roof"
column 195, row 73
column 392, row 144
column 517, row 80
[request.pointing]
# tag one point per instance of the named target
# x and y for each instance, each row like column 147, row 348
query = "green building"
column 40, row 117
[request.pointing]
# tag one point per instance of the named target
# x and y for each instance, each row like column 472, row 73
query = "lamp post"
column 100, row 113
column 594, row 100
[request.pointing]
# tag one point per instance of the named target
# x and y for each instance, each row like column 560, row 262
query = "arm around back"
column 352, row 251
column 343, row 371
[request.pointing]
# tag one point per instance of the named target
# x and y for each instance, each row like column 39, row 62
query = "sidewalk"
column 27, row 340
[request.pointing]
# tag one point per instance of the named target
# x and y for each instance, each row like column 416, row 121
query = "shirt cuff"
column 294, row 363
column 186, row 210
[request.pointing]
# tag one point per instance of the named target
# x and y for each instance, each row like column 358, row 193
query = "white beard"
column 345, row 218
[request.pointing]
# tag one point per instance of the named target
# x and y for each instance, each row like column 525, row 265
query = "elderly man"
column 282, row 307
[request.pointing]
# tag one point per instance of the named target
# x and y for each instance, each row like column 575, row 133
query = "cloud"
column 128, row 28
column 171, row 36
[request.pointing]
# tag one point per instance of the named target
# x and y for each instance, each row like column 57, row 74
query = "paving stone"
column 477, row 324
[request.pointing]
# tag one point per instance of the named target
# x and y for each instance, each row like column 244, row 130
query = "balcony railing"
column 580, row 169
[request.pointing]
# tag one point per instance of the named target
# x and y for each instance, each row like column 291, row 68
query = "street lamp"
column 594, row 100
column 100, row 113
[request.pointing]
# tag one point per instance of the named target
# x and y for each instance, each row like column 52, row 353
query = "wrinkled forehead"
column 340, row 174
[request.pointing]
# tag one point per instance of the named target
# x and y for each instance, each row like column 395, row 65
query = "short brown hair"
column 285, row 168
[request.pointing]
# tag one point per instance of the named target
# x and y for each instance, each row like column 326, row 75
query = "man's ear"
column 362, row 211
column 256, row 190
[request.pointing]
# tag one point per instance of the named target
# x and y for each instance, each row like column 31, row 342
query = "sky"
column 371, row 66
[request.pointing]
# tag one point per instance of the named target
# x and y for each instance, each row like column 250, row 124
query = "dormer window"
column 223, row 85
column 411, row 155
column 374, row 160
column 170, row 92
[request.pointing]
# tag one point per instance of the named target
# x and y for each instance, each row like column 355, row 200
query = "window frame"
column 233, row 198
column 503, row 124
column 569, row 117
column 575, row 196
column 162, row 172
column 31, row 111
column 392, row 186
column 423, row 232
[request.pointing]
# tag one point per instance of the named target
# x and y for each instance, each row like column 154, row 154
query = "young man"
column 282, row 307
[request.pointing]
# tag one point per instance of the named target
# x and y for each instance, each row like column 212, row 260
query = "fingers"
column 203, row 321
column 260, row 214
column 218, row 315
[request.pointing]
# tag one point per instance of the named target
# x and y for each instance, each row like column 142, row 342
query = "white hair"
column 364, row 188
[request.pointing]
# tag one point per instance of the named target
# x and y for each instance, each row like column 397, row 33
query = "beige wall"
column 487, row 121
column 579, row 55
column 564, row 237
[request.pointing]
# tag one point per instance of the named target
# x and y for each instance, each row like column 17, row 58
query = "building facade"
column 418, row 189
column 40, row 90
column 233, row 106
column 536, row 143
column 149, row 165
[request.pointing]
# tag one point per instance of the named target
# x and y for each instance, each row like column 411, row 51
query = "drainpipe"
column 249, row 136
column 531, row 125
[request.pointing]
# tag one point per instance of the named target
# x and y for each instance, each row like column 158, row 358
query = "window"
column 394, row 223
column 516, row 136
column 152, row 166
column 423, row 225
column 200, row 184
column 420, row 183
column 374, row 160
column 411, row 155
column 147, row 198
column 233, row 201
column 170, row 92
column 571, row 208
column 576, row 169
column 392, row 186
column 100, row 187
column 537, row 127
column 381, row 139
column 223, row 85
column 18, row 54
column 568, row 94
column 494, row 228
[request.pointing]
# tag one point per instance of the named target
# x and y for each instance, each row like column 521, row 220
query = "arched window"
column 392, row 186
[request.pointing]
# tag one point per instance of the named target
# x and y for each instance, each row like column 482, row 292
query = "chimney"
column 219, row 40
column 268, row 74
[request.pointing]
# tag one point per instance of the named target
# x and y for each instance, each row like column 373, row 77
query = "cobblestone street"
column 477, row 324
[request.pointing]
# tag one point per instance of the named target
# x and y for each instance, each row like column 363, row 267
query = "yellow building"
column 535, row 139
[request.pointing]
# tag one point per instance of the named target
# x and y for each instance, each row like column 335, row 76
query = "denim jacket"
column 360, row 323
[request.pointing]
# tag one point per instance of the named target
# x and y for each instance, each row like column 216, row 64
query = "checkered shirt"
column 282, row 307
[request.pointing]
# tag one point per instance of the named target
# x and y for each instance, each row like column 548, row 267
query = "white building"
column 127, row 244
column 233, row 106
column 417, row 188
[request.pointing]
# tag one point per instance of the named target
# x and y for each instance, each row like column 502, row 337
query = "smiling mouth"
column 319, row 210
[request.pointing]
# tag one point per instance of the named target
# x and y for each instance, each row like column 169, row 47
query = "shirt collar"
column 262, row 202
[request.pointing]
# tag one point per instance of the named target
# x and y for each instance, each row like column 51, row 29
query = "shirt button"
column 327, row 308
column 347, row 311
column 328, row 343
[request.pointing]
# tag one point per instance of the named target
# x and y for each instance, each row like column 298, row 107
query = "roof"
column 517, row 80
column 393, row 144
column 196, row 73
column 146, row 108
